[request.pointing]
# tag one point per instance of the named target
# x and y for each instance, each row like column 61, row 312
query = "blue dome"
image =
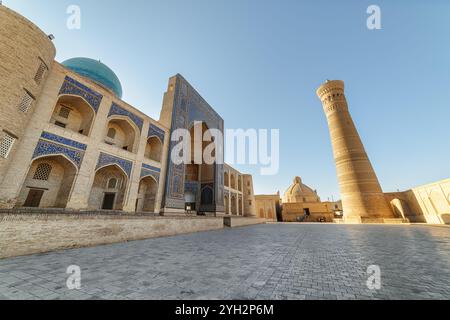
column 96, row 71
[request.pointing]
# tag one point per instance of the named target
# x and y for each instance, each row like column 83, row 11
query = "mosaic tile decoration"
column 156, row 131
column 188, row 107
column 149, row 167
column 47, row 148
column 107, row 159
column 148, row 173
column 191, row 186
column 118, row 110
column 62, row 140
column 73, row 87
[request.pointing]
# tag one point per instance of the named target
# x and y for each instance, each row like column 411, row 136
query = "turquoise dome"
column 96, row 71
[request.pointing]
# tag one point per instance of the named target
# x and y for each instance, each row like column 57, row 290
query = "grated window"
column 6, row 145
column 40, row 73
column 64, row 112
column 26, row 102
column 42, row 172
column 112, row 183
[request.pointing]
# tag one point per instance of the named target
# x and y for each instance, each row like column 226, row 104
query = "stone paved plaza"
column 275, row 261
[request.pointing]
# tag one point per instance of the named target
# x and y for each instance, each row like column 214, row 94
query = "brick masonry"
column 29, row 233
column 275, row 261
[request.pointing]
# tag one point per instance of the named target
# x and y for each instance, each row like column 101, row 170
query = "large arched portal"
column 148, row 188
column 48, row 183
column 200, row 170
column 108, row 189
column 73, row 113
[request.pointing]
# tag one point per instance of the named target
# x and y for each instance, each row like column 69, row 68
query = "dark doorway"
column 108, row 201
column 207, row 196
column 307, row 212
column 34, row 198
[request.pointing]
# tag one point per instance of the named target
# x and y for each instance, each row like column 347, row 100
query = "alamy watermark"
column 74, row 19
column 374, row 19
column 374, row 280
column 243, row 147
column 73, row 282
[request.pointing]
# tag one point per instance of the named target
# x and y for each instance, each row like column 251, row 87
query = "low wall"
column 233, row 222
column 30, row 233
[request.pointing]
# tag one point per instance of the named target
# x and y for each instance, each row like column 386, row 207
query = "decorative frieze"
column 118, row 110
column 107, row 159
column 73, row 87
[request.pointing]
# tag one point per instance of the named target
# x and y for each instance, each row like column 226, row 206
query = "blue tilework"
column 118, row 110
column 107, row 159
column 73, row 87
column 47, row 148
column 156, row 131
column 62, row 140
column 149, row 167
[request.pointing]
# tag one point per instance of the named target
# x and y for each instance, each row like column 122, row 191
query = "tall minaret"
column 362, row 196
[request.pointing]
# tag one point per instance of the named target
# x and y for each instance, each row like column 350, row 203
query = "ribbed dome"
column 299, row 192
column 96, row 71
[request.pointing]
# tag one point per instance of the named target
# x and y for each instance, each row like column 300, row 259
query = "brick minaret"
column 362, row 196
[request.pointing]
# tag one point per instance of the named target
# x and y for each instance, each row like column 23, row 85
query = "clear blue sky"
column 259, row 63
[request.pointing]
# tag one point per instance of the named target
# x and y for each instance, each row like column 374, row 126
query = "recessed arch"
column 127, row 133
column 104, row 196
column 207, row 196
column 233, row 181
column 234, row 205
column 58, row 155
column 112, row 164
column 147, row 192
column 77, row 96
column 202, row 173
column 154, row 148
column 226, row 200
column 52, row 192
column 226, row 179
column 73, row 113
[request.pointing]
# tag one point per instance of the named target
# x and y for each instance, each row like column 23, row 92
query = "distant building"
column 424, row 204
column 268, row 207
column 239, row 196
column 302, row 204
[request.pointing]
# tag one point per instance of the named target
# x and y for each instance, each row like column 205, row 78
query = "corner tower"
column 362, row 197
column 26, row 60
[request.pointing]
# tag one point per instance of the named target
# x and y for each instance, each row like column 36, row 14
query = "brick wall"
column 29, row 233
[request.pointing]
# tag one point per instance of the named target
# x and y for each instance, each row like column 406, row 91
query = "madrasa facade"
column 68, row 140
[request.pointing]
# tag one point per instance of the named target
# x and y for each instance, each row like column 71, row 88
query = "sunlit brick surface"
column 263, row 262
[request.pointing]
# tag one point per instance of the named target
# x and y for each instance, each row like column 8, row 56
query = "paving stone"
column 295, row 262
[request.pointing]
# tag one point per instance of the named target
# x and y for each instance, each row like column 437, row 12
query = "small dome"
column 96, row 71
column 299, row 192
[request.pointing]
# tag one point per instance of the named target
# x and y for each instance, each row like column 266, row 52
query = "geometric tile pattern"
column 148, row 170
column 189, row 107
column 73, row 87
column 118, row 110
column 191, row 186
column 149, row 167
column 149, row 173
column 62, row 140
column 48, row 148
column 157, row 132
column 107, row 159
